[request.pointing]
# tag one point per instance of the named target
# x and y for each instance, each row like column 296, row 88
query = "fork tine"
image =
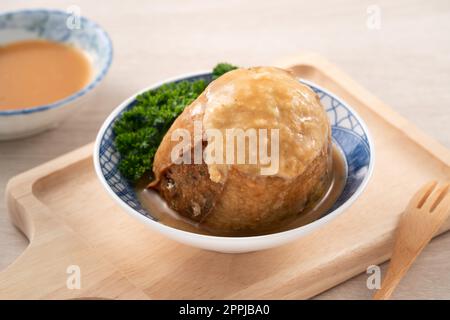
column 422, row 195
column 435, row 197
column 445, row 203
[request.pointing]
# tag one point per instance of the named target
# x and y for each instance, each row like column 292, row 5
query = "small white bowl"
column 52, row 25
column 349, row 133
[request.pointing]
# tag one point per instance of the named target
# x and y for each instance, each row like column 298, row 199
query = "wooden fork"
column 427, row 211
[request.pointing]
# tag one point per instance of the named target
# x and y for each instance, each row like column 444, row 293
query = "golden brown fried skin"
column 189, row 191
column 249, row 204
column 242, row 202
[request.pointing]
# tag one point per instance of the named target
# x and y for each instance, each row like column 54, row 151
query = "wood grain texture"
column 424, row 215
column 70, row 220
column 406, row 63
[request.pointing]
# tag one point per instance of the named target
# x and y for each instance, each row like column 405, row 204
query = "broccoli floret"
column 140, row 130
column 221, row 69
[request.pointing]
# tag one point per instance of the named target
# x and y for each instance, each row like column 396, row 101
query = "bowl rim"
column 87, row 88
column 202, row 237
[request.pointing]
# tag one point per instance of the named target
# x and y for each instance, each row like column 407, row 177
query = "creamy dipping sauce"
column 152, row 202
column 40, row 72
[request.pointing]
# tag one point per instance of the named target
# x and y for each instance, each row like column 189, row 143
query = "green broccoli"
column 221, row 69
column 140, row 130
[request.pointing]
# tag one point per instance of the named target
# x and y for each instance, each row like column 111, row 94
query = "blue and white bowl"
column 61, row 27
column 349, row 134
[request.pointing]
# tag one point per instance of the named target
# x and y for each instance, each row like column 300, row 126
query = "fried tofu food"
column 222, row 179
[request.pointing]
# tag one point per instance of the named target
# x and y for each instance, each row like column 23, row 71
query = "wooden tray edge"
column 378, row 107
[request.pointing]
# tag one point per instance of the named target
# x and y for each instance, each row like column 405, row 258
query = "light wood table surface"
column 406, row 63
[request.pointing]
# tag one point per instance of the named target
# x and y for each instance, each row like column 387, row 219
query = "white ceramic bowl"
column 349, row 133
column 52, row 25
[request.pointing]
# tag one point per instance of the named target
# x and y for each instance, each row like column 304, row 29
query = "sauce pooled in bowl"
column 40, row 72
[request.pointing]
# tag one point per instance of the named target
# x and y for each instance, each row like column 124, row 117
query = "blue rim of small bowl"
column 287, row 233
column 77, row 94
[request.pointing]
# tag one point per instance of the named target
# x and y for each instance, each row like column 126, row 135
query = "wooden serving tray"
column 70, row 220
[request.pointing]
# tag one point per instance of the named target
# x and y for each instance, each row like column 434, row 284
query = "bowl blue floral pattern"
column 349, row 134
column 53, row 25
